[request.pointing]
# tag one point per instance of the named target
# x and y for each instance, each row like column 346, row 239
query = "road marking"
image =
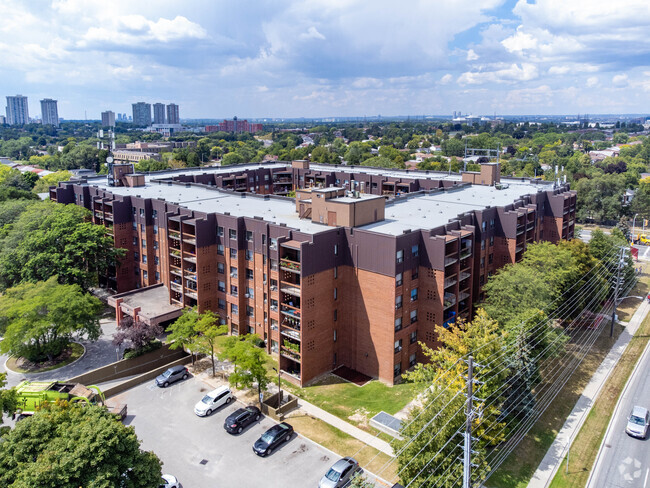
column 645, row 481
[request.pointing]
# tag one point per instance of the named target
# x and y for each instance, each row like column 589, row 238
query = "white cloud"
column 312, row 33
column 446, row 79
column 507, row 74
column 620, row 80
column 471, row 55
column 592, row 81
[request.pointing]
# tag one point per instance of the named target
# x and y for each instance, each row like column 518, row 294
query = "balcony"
column 449, row 261
column 291, row 333
column 189, row 258
column 282, row 180
column 190, row 240
column 175, row 252
column 463, row 295
column 520, row 230
column 174, row 234
column 176, row 272
column 465, row 253
column 176, row 287
column 291, row 290
column 291, row 322
column 290, row 354
column 464, row 275
column 288, row 265
column 449, row 300
column 192, row 294
column 290, row 311
column 190, row 276
column 450, row 281
column 518, row 249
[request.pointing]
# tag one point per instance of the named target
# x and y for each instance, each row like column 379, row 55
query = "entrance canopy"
column 150, row 305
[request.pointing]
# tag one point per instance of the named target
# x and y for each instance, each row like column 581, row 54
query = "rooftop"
column 422, row 210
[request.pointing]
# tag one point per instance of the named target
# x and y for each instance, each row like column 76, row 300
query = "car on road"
column 272, row 438
column 169, row 481
column 212, row 401
column 340, row 474
column 172, row 375
column 241, row 418
column 637, row 422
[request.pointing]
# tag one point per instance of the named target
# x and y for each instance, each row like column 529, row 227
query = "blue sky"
column 321, row 58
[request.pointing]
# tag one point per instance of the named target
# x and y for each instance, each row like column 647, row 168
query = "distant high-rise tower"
column 142, row 113
column 108, row 119
column 17, row 110
column 49, row 112
column 158, row 113
column 172, row 114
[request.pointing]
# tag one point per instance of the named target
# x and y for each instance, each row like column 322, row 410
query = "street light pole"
column 633, row 226
column 279, row 388
column 618, row 280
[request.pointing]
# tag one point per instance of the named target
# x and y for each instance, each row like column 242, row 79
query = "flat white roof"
column 419, row 211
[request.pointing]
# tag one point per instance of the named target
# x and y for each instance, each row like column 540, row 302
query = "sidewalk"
column 558, row 450
column 316, row 412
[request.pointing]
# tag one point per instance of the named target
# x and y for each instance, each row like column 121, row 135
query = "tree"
column 149, row 165
column 7, row 402
column 69, row 445
column 136, row 332
column 208, row 329
column 44, row 183
column 39, row 320
column 182, row 333
column 251, row 365
column 50, row 239
column 231, row 158
column 428, row 450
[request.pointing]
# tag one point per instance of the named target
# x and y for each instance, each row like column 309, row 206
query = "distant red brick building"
column 235, row 126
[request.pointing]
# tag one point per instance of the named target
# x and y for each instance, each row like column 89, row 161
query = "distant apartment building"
column 362, row 265
column 3, row 119
column 108, row 119
column 142, row 114
column 128, row 156
column 17, row 110
column 159, row 113
column 173, row 116
column 49, row 112
column 235, row 126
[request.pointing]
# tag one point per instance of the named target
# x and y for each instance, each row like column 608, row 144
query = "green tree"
column 250, row 368
column 207, row 331
column 232, row 158
column 39, row 320
column 7, row 403
column 426, row 453
column 182, row 333
column 149, row 165
column 65, row 446
column 44, row 183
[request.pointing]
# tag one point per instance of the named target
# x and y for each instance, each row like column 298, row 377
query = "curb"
column 83, row 355
column 617, row 408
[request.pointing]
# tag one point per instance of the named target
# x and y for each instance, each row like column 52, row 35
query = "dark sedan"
column 272, row 438
column 241, row 418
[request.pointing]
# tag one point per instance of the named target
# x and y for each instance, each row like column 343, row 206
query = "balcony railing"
column 463, row 295
column 190, row 240
column 176, row 287
column 464, row 275
column 192, row 294
column 175, row 252
column 190, row 276
column 448, row 322
column 449, row 261
column 176, row 272
column 465, row 253
column 291, row 290
column 292, row 322
column 450, row 282
column 287, row 310
column 290, row 265
column 290, row 354
column 189, row 258
column 518, row 249
column 449, row 300
column 291, row 333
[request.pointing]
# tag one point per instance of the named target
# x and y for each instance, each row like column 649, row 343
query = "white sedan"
column 169, row 481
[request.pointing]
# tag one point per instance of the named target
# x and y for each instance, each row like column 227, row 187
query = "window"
column 135, row 226
column 336, row 272
column 481, row 280
column 491, row 223
column 144, row 275
column 413, row 337
column 484, row 226
column 412, row 360
column 274, row 346
column 336, row 293
column 234, row 309
column 233, row 272
column 233, row 253
column 136, row 255
column 232, row 233
column 482, row 262
column 491, row 240
column 220, row 231
column 274, row 264
column 336, row 315
column 274, row 324
column 155, row 244
column 154, row 214
column 249, row 274
column 156, row 261
column 233, row 290
column 135, row 241
column 482, row 244
column 250, row 293
column 335, row 335
column 157, row 276
column 144, row 258
column 414, row 294
column 144, row 243
column 397, row 370
column 220, row 249
column 415, row 250
column 221, row 286
column 249, row 236
column 274, row 243
column 414, row 316
column 155, row 228
column 221, row 268
column 249, row 255
column 336, row 249
column 490, row 258
column 249, row 311
column 415, row 273
column 221, row 304
column 398, row 324
column 133, row 210
column 399, row 255
column 264, row 238
column 274, row 305
column 398, row 345
column 398, row 279
column 142, row 212
column 398, row 301
column 141, row 227
column 136, row 271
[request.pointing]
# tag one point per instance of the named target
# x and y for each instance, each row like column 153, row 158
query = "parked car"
column 241, row 418
column 637, row 422
column 340, row 473
column 172, row 375
column 212, row 401
column 168, row 481
column 272, row 438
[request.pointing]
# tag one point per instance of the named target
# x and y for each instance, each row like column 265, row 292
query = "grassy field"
column 356, row 404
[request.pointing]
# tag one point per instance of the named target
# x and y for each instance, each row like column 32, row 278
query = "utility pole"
column 618, row 280
column 467, row 459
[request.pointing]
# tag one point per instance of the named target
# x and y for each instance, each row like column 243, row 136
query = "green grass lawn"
column 346, row 400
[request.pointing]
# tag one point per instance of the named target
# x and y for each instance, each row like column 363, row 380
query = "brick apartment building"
column 354, row 271
column 235, row 126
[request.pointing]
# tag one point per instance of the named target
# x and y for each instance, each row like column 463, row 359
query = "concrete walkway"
column 558, row 450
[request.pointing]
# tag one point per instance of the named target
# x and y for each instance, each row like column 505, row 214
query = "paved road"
column 98, row 353
column 202, row 455
column 624, row 462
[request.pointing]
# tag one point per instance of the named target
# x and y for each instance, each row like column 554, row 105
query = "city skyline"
column 326, row 59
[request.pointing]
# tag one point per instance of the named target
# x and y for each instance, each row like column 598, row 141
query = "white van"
column 213, row 400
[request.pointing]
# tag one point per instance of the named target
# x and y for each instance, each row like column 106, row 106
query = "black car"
column 173, row 374
column 272, row 438
column 241, row 418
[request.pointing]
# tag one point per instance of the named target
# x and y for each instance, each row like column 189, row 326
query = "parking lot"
column 201, row 454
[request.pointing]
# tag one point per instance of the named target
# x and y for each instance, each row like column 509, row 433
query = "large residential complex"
column 17, row 110
column 108, row 119
column 49, row 112
column 142, row 113
column 354, row 271
column 159, row 113
column 235, row 126
column 173, row 116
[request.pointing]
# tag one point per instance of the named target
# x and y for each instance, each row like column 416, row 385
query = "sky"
column 328, row 58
